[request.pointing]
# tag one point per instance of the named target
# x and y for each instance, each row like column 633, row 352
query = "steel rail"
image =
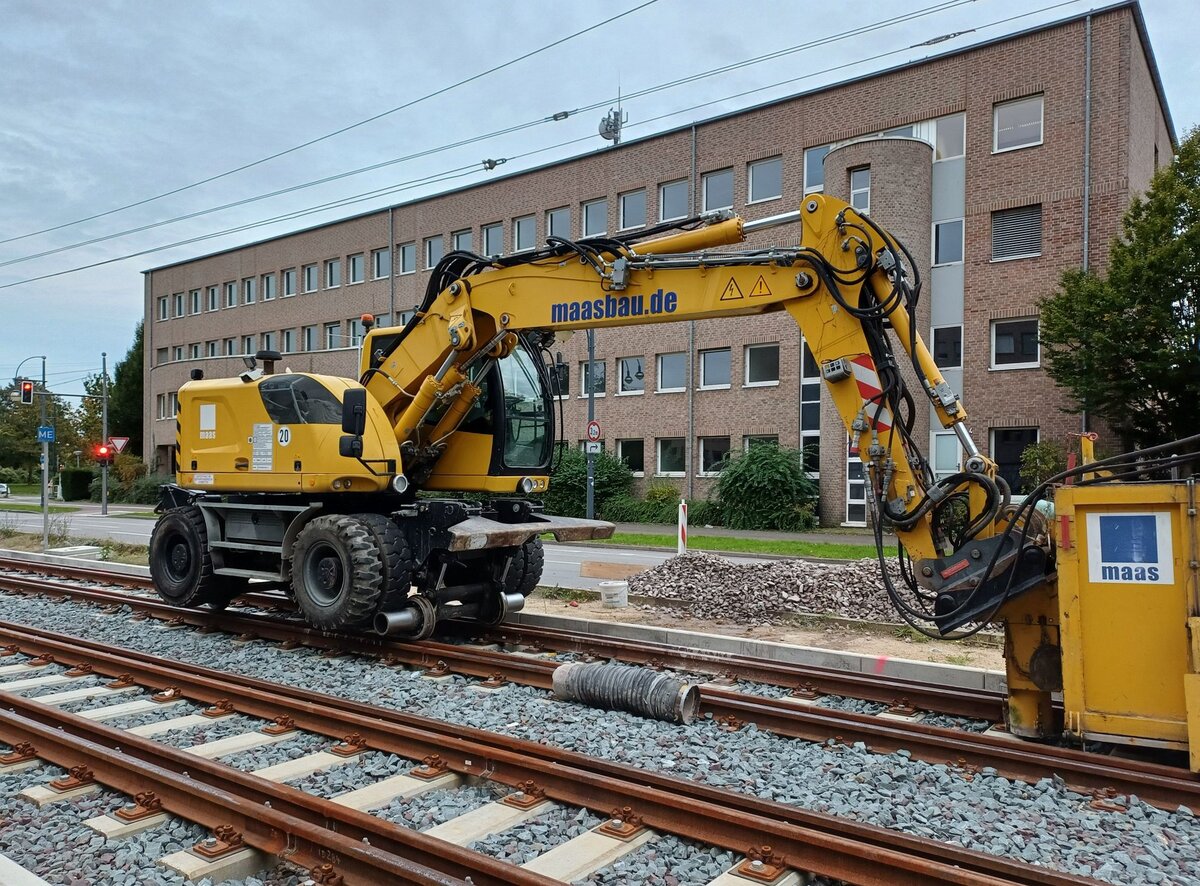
column 826, row 845
column 279, row 820
column 1163, row 786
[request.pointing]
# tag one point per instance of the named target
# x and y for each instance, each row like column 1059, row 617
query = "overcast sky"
column 105, row 103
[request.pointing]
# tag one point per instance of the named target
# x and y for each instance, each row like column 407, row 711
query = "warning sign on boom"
column 732, row 291
column 760, row 287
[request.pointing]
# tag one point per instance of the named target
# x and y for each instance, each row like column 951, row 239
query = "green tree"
column 1127, row 345
column 125, row 396
column 1042, row 460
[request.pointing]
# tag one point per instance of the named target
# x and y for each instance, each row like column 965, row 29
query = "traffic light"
column 26, row 392
column 103, row 454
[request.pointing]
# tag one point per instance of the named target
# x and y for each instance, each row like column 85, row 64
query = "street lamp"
column 45, row 447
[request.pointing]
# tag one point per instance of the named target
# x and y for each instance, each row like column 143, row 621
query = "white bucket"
column 614, row 594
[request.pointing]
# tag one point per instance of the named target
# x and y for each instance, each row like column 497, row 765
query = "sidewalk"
column 839, row 536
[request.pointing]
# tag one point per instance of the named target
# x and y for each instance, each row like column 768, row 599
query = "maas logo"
column 1130, row 548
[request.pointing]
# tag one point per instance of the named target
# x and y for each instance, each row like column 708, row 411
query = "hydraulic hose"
column 624, row 688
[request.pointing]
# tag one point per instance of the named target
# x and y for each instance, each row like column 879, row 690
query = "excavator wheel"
column 395, row 559
column 533, row 558
column 181, row 562
column 337, row 572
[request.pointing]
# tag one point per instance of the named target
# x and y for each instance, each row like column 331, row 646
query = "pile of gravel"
column 712, row 587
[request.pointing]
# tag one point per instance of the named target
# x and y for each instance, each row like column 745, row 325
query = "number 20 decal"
column 284, row 436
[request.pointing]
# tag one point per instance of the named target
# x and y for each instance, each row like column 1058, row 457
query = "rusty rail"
column 826, row 845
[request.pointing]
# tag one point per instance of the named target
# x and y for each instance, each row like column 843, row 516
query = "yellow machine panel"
column 276, row 433
column 1127, row 587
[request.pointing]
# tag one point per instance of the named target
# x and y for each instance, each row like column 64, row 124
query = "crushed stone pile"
column 709, row 586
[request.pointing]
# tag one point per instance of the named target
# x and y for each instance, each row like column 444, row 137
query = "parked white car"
column 3, row 490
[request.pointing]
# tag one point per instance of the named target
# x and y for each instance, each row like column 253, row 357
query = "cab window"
column 299, row 400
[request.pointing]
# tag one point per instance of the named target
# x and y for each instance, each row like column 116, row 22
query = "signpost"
column 593, row 431
column 118, row 443
column 45, row 433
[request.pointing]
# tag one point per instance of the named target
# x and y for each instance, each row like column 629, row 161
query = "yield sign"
column 118, row 443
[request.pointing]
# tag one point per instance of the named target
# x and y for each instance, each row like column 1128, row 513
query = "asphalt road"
column 563, row 562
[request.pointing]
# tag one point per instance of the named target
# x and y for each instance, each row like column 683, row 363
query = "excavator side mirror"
column 350, row 446
column 354, row 411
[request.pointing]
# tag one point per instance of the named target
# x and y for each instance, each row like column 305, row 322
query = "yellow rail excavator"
column 311, row 482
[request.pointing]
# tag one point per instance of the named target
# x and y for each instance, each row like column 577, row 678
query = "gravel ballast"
column 1041, row 823
column 526, row 841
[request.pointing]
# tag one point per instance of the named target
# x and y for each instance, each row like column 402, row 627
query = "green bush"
column 663, row 492
column 766, row 488
column 140, row 492
column 75, row 483
column 567, row 495
column 1040, row 461
column 11, row 476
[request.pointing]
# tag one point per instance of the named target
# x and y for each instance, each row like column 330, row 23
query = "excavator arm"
column 852, row 288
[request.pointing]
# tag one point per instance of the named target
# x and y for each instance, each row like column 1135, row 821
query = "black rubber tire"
column 181, row 561
column 395, row 559
column 533, row 559
column 337, row 573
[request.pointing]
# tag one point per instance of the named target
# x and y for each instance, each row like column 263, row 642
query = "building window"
column 289, row 341
column 230, row 347
column 268, row 341
column 672, row 372
column 672, row 457
column 948, row 242
column 951, row 137
column 856, row 491
column 631, row 379
column 354, row 332
column 493, row 239
column 160, row 356
column 268, row 287
column 1007, row 446
column 333, row 336
column 560, row 380
column 633, row 453
column 231, row 294
column 558, row 222
column 814, row 169
column 860, row 189
column 308, row 338
column 248, row 291
column 194, row 301
column 179, row 304
column 524, row 233
column 381, row 263
column 408, row 258
column 585, row 377
column 163, row 308
column 434, row 248
column 673, row 200
column 194, row 351
column 947, row 347
column 714, row 368
column 248, row 347
column 762, row 365
column 713, row 451
column 333, row 273
column 210, row 348
column 1017, row 233
column 174, row 404
column 1017, row 124
column 310, row 278
column 759, row 440
column 946, row 455
column 289, row 282
column 463, row 241
column 766, row 180
column 357, row 268
column 810, row 412
column 214, row 299
column 718, row 190
column 177, row 353
column 632, row 209
column 1015, row 344
column 595, row 218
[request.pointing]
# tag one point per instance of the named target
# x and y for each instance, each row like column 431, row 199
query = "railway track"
column 632, row 800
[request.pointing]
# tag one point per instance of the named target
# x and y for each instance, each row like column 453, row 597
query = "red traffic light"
column 103, row 454
column 26, row 392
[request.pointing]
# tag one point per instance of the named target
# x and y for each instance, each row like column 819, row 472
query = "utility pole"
column 104, row 433
column 591, row 456
column 45, row 463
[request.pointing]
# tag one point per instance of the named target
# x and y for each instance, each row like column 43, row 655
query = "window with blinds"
column 1017, row 233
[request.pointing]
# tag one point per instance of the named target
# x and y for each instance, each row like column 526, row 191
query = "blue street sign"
column 45, row 434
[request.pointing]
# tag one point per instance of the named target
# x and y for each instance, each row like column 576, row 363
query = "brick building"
column 999, row 165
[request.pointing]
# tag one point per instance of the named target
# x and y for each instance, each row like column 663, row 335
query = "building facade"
column 1000, row 166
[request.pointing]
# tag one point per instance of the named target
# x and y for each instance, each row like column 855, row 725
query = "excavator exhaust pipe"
column 404, row 621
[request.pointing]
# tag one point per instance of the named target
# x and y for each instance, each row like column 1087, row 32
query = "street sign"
column 118, row 443
column 592, row 447
column 45, row 434
column 593, row 431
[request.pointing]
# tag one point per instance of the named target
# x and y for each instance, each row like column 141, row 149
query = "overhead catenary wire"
column 409, row 104
column 508, row 130
column 464, row 171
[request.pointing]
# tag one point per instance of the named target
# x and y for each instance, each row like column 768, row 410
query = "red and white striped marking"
column 871, row 391
column 682, row 546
